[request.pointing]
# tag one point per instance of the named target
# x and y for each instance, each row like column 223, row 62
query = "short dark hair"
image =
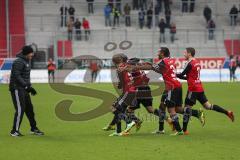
column 118, row 58
column 165, row 51
column 124, row 57
column 191, row 50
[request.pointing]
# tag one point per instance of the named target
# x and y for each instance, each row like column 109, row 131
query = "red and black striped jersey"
column 192, row 71
column 167, row 68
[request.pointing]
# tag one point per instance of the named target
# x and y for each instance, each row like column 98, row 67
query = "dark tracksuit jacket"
column 19, row 80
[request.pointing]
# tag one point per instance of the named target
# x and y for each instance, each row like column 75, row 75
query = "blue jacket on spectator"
column 107, row 11
column 141, row 15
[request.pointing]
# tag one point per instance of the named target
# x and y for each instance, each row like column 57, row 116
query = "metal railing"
column 144, row 42
column 218, row 7
column 52, row 23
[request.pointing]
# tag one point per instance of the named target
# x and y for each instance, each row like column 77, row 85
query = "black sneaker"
column 36, row 131
column 15, row 134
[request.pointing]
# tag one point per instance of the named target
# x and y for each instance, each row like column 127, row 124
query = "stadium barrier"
column 105, row 76
column 213, row 70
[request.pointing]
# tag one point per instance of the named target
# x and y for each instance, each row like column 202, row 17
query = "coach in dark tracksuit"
column 20, row 87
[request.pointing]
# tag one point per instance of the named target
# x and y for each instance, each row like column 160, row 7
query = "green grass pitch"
column 218, row 140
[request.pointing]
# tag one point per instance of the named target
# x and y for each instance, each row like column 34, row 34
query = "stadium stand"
column 3, row 42
column 42, row 26
column 15, row 27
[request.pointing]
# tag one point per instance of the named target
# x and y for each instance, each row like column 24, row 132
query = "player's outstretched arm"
column 145, row 66
column 182, row 75
column 127, row 68
column 130, row 68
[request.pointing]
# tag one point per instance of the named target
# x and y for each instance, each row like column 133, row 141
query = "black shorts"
column 144, row 97
column 172, row 98
column 50, row 72
column 193, row 96
column 125, row 100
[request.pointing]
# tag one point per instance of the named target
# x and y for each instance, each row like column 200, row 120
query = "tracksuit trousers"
column 22, row 104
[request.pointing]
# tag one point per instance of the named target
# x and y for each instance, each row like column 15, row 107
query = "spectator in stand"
column 162, row 27
column 143, row 4
column 192, row 5
column 116, row 15
column 207, row 13
column 233, row 15
column 149, row 4
column 78, row 31
column 135, row 4
column 71, row 12
column 110, row 3
column 166, row 4
column 127, row 12
column 184, row 6
column 149, row 18
column 63, row 12
column 107, row 15
column 168, row 17
column 157, row 13
column 90, row 6
column 70, row 25
column 86, row 28
column 141, row 18
column 211, row 28
column 159, row 4
column 232, row 68
column 173, row 31
column 238, row 7
column 119, row 5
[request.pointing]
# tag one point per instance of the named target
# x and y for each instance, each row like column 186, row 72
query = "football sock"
column 133, row 117
column 114, row 120
column 162, row 115
column 195, row 113
column 186, row 117
column 122, row 116
column 119, row 127
column 117, row 120
column 156, row 112
column 219, row 109
column 176, row 124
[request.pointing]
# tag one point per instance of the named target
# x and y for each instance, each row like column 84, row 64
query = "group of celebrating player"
column 135, row 91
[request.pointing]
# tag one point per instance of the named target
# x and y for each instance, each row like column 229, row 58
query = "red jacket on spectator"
column 85, row 24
